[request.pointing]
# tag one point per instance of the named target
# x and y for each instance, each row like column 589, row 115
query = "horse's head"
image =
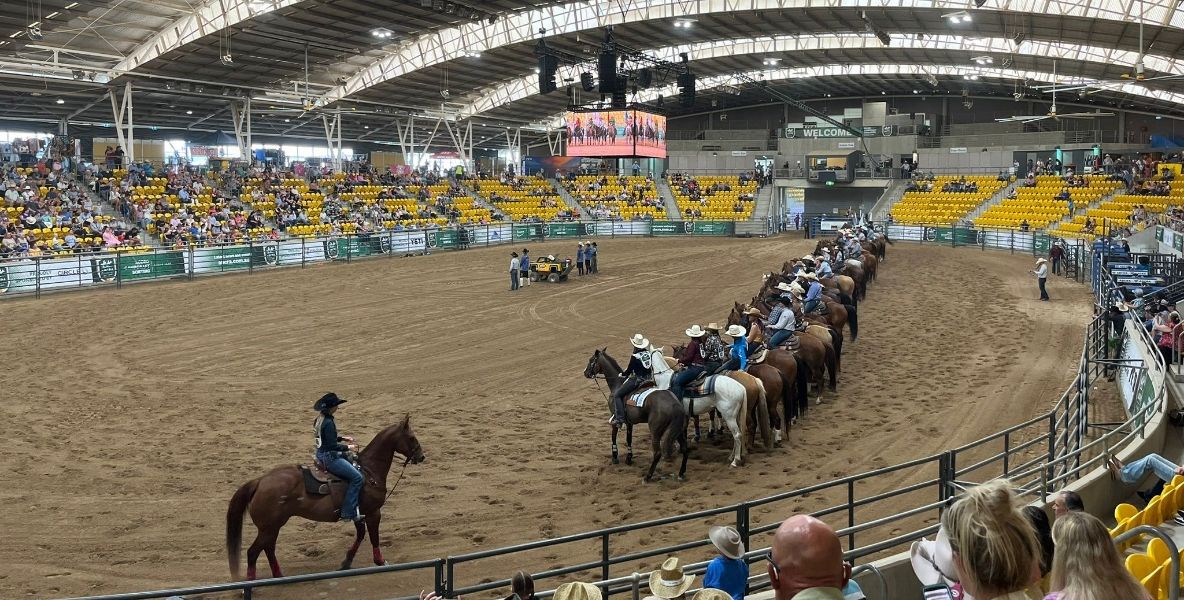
column 407, row 444
column 595, row 366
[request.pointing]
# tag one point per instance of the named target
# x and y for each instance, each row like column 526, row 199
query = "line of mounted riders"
column 785, row 341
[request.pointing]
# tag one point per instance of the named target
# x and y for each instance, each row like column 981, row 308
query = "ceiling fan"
column 1052, row 111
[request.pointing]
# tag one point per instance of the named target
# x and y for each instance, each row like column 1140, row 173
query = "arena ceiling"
column 325, row 53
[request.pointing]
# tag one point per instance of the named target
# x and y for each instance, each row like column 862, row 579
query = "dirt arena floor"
column 132, row 415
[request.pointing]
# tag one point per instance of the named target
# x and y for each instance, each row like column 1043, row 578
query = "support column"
column 555, row 145
column 240, row 117
column 462, row 140
column 333, row 138
column 514, row 144
column 121, row 108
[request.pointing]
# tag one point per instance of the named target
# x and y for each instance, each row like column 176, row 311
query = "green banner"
column 1159, row 233
column 528, row 231
column 1041, row 243
column 712, row 228
column 130, row 267
column 1178, row 242
column 265, row 255
column 229, row 259
column 351, row 247
column 564, row 230
column 668, row 228
column 443, row 238
column 955, row 235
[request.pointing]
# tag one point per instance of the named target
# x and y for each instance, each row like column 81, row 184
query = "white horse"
column 730, row 399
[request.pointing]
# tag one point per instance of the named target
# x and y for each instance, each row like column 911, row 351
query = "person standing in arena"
column 580, row 257
column 595, row 250
column 1041, row 273
column 524, row 268
column 513, row 271
column 588, row 258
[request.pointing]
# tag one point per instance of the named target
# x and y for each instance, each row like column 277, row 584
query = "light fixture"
column 188, row 112
column 770, row 62
column 382, row 33
column 71, row 5
column 970, row 77
column 287, row 120
column 60, row 101
column 684, row 23
column 983, row 60
column 52, row 14
column 828, row 95
column 365, row 127
column 957, row 17
column 883, row 93
column 472, row 54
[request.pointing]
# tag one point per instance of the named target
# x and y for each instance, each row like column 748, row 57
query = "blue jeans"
column 779, row 336
column 513, row 280
column 1132, row 472
column 810, row 306
column 683, row 377
column 343, row 469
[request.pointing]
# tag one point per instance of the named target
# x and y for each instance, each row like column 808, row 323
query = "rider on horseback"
column 691, row 361
column 715, row 351
column 331, row 453
column 738, row 352
column 640, row 371
column 782, row 321
column 824, row 270
column 813, row 294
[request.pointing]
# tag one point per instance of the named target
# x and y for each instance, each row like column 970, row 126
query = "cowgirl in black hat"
column 331, row 453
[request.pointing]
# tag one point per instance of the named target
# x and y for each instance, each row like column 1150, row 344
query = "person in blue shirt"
column 738, row 352
column 813, row 293
column 332, row 451
column 728, row 571
column 592, row 254
column 580, row 257
column 524, row 269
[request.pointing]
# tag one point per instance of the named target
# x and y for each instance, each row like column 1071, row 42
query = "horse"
column 730, row 399
column 793, row 369
column 661, row 411
column 816, row 358
column 280, row 495
column 757, row 407
column 777, row 387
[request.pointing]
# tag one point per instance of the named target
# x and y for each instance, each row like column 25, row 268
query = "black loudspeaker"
column 586, row 81
column 619, row 98
column 548, row 65
column 606, row 70
column 686, row 89
column 645, row 78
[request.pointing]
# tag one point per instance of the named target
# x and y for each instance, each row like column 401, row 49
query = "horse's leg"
column 697, row 435
column 686, row 453
column 615, row 459
column 731, row 418
column 628, row 443
column 264, row 539
column 359, row 535
column 372, row 521
column 656, row 435
column 711, row 427
column 269, row 549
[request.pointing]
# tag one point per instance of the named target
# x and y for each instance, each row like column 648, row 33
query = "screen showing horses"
column 616, row 133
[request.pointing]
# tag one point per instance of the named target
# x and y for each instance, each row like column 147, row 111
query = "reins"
column 393, row 487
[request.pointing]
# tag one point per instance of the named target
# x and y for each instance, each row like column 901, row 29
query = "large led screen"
column 616, row 133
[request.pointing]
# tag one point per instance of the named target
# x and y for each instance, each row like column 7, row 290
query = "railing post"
column 118, row 270
column 604, row 556
column 850, row 513
column 250, row 254
column 943, row 471
column 438, row 575
column 742, row 525
column 189, row 258
column 303, row 256
column 1006, row 451
column 450, row 573
column 37, row 277
column 1052, row 446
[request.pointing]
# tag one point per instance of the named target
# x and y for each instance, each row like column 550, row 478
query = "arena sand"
column 134, row 414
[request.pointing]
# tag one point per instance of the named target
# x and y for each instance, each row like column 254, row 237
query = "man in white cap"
column 639, row 371
column 1041, row 273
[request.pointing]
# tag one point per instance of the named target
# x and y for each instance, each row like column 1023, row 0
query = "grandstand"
column 944, row 200
column 1121, row 211
column 717, row 198
column 1044, row 203
column 624, row 198
column 523, row 198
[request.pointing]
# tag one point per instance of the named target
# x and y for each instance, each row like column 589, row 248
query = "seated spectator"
column 521, row 587
column 806, row 561
column 1066, row 502
column 110, row 240
column 1087, row 564
column 669, row 582
column 1038, row 519
column 1024, row 226
column 577, row 590
column 1134, row 472
column 728, row 571
column 995, row 550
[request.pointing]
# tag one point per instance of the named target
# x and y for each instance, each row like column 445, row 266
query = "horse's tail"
column 832, row 366
column 844, row 298
column 762, row 415
column 787, row 397
column 886, row 238
column 802, row 385
column 675, row 429
column 836, row 339
column 234, row 523
column 853, row 322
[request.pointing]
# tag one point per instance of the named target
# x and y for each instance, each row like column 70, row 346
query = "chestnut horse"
column 815, row 358
column 280, row 495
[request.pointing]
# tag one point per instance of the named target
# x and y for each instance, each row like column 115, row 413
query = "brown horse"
column 661, row 411
column 840, row 312
column 280, row 495
column 757, row 401
column 777, row 388
column 816, row 357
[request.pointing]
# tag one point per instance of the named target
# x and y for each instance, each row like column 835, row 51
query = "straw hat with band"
column 669, row 581
column 785, row 287
column 1040, row 261
column 713, row 327
column 735, row 331
column 711, row 594
column 812, row 276
column 639, row 341
column 577, row 590
column 753, row 311
column 727, row 540
column 696, row 331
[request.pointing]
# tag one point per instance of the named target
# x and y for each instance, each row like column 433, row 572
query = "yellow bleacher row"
column 591, row 198
column 720, row 205
column 522, row 204
column 1118, row 210
column 1153, row 567
column 938, row 207
column 1038, row 205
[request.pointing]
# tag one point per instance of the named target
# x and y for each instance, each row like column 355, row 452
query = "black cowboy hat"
column 327, row 401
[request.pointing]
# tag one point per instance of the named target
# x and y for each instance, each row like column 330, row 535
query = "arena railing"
column 1039, row 455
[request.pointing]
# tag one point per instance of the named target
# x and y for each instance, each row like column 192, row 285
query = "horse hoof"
column 629, row 460
column 818, row 400
column 616, row 461
column 682, row 478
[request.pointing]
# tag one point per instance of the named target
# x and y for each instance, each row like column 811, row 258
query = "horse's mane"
column 611, row 361
column 387, row 431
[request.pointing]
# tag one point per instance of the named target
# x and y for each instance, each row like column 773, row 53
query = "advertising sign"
column 564, row 230
column 130, row 267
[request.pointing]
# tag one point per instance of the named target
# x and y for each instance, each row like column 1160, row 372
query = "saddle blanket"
column 638, row 399
column 855, row 263
column 316, row 481
column 701, row 387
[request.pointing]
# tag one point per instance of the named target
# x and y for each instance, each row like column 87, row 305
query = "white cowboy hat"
column 735, row 331
column 696, row 331
column 785, row 287
column 711, row 594
column 808, row 257
column 811, row 276
column 826, row 248
column 727, row 540
column 796, row 289
column 669, row 581
column 933, row 562
column 577, row 590
column 639, row 341
column 1041, row 261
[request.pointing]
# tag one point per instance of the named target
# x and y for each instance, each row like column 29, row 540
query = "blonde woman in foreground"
column 996, row 552
column 1087, row 566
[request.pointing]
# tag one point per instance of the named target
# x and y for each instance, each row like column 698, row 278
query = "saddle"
column 637, row 398
column 318, row 481
column 758, row 356
column 703, row 385
column 792, row 343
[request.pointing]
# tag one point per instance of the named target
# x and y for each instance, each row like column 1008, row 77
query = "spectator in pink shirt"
column 109, row 238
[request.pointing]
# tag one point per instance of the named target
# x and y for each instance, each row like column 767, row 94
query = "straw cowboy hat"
column 696, row 331
column 639, row 341
column 785, row 287
column 1122, row 306
column 727, row 540
column 933, row 562
column 753, row 311
column 713, row 327
column 1040, row 261
column 577, row 590
column 735, row 331
column 669, row 581
column 811, row 276
column 711, row 594
column 796, row 289
column 808, row 257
